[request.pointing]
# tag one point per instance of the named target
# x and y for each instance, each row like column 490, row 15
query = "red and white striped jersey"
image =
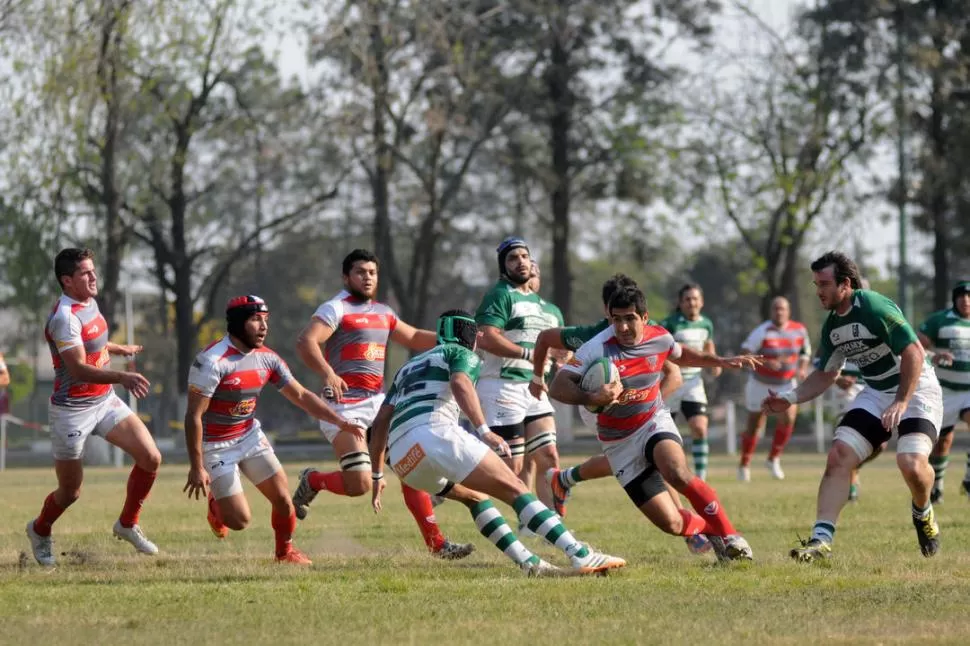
column 641, row 372
column 233, row 380
column 357, row 347
column 786, row 345
column 72, row 324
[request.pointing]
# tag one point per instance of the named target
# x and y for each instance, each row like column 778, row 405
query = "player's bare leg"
column 749, row 440
column 833, row 494
column 668, row 456
column 131, row 436
column 353, row 478
column 70, row 475
column 540, row 447
column 494, row 478
column 918, row 475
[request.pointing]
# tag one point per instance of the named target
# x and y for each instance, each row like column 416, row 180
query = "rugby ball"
column 601, row 372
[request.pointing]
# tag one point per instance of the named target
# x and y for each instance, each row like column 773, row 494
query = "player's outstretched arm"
column 316, row 407
column 75, row 361
column 697, row 359
column 412, row 338
column 710, row 348
column 492, row 341
column 123, row 350
column 197, row 482
column 672, row 379
column 314, row 335
column 467, row 399
column 377, row 447
column 813, row 386
column 547, row 340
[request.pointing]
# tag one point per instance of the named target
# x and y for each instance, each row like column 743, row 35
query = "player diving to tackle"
column 418, row 425
column 223, row 436
column 636, row 430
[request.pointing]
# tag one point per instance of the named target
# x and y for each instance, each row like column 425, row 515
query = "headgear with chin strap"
column 507, row 245
column 457, row 326
column 238, row 311
column 963, row 287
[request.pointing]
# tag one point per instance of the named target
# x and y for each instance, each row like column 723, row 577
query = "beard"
column 358, row 294
column 517, row 280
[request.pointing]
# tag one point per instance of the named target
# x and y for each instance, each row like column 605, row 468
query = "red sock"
column 283, row 526
column 782, row 435
column 50, row 512
column 419, row 504
column 748, row 444
column 139, row 484
column 693, row 524
column 704, row 501
column 332, row 481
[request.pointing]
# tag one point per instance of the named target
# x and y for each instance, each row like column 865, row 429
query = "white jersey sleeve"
column 587, row 353
column 65, row 330
column 204, row 375
column 755, row 339
column 807, row 345
column 331, row 312
column 676, row 350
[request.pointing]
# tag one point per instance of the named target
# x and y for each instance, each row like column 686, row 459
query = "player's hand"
column 129, row 350
column 497, row 444
column 943, row 358
column 844, row 382
column 377, row 489
column 536, row 390
column 743, row 361
column 197, row 483
column 893, row 415
column 354, row 428
column 135, row 383
column 606, row 395
column 334, row 388
column 775, row 404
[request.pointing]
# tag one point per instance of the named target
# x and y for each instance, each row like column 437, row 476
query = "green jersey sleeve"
column 889, row 323
column 576, row 335
column 931, row 326
column 392, row 391
column 496, row 308
column 461, row 359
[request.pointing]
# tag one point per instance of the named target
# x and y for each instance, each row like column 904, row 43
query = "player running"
column 692, row 329
column 787, row 350
column 901, row 392
column 510, row 317
column 947, row 335
column 418, row 423
column 636, row 431
column 223, row 436
column 84, row 403
column 354, row 330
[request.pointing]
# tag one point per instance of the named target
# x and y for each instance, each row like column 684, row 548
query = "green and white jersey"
column 950, row 331
column 520, row 317
column 693, row 334
column 421, row 392
column 872, row 334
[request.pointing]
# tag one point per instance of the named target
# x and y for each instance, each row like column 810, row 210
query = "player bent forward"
column 418, row 423
column 223, row 436
column 635, row 428
column 901, row 392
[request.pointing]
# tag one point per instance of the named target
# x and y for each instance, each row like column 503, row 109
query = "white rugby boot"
column 41, row 546
column 136, row 537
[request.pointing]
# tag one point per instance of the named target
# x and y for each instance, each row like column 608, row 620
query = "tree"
column 781, row 148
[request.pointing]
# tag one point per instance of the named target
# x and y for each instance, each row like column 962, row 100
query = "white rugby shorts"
column 507, row 402
column 429, row 456
column 252, row 454
column 70, row 427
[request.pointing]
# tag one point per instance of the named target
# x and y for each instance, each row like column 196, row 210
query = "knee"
column 671, row 525
column 911, row 464
column 236, row 522
column 841, row 459
column 679, row 477
column 545, row 457
column 356, row 483
column 151, row 462
column 67, row 496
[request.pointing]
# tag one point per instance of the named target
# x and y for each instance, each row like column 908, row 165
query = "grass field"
column 372, row 583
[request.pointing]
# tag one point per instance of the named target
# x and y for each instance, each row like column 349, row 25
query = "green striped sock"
column 569, row 477
column 700, row 449
column 492, row 526
column 939, row 463
column 544, row 522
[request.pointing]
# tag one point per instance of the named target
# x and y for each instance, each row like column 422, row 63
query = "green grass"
column 372, row 582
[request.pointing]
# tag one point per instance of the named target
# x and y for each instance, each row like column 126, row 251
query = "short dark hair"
column 67, row 260
column 358, row 255
column 629, row 297
column 686, row 288
column 842, row 267
column 613, row 283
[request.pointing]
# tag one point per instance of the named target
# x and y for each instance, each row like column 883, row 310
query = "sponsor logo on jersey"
column 652, row 361
column 243, row 408
column 633, row 396
column 374, row 352
column 74, row 434
column 235, row 381
column 360, row 320
column 103, row 359
column 216, row 465
column 94, row 329
column 410, row 460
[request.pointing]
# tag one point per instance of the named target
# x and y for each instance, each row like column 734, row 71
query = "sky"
column 877, row 230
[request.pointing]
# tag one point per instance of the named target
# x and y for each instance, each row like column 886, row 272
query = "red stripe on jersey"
column 627, row 424
column 242, row 380
column 241, row 408
column 94, row 328
column 783, row 342
column 636, row 366
column 777, row 374
column 86, row 390
column 363, row 352
column 364, row 381
column 366, row 322
column 223, row 432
